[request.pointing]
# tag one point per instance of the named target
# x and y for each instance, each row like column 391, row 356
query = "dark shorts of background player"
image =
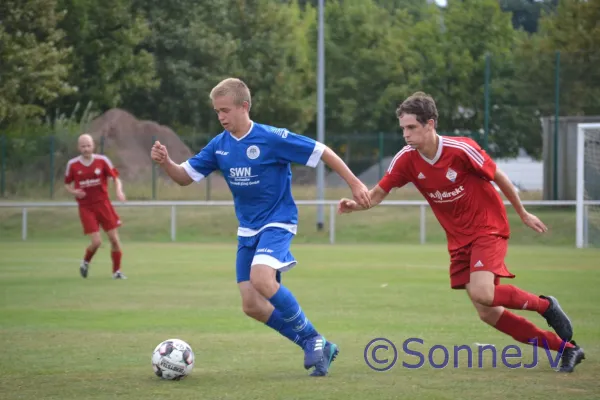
column 486, row 253
column 101, row 214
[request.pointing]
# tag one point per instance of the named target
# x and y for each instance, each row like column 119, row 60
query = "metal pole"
column 332, row 211
column 153, row 173
column 321, row 114
column 556, row 114
column 52, row 166
column 24, row 225
column 3, row 145
column 487, row 102
column 422, row 230
column 173, row 223
column 381, row 150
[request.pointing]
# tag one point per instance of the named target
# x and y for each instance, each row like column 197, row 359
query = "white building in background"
column 525, row 172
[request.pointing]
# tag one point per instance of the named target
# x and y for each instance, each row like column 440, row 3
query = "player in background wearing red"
column 454, row 175
column 86, row 178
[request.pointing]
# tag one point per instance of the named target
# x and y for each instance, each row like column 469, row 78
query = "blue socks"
column 288, row 317
column 277, row 323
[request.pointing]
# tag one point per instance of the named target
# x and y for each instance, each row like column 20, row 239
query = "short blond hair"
column 234, row 87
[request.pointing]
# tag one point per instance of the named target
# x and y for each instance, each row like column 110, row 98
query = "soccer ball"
column 173, row 359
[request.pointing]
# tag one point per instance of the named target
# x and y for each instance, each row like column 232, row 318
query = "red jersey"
column 91, row 177
column 457, row 185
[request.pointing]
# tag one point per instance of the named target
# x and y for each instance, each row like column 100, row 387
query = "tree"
column 526, row 13
column 275, row 58
column 33, row 58
column 107, row 61
column 190, row 55
column 572, row 33
column 452, row 45
column 367, row 64
column 197, row 44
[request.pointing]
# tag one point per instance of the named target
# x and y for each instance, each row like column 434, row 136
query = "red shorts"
column 486, row 253
column 99, row 214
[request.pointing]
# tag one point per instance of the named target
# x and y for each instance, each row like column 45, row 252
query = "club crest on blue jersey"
column 253, row 152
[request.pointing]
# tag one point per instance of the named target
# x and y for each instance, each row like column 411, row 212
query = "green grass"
column 68, row 338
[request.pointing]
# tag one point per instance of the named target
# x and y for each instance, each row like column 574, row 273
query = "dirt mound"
column 127, row 142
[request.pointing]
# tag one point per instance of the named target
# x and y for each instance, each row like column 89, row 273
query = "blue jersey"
column 258, row 172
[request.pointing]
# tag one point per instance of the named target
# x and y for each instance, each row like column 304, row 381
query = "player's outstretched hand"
column 79, row 193
column 361, row 195
column 121, row 196
column 159, row 153
column 346, row 206
column 534, row 222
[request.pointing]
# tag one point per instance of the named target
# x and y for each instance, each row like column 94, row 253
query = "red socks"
column 89, row 254
column 516, row 299
column 525, row 332
column 115, row 255
column 116, row 259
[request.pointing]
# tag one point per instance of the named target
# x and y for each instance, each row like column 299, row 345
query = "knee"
column 251, row 309
column 490, row 315
column 96, row 242
column 263, row 279
column 482, row 294
column 255, row 310
column 114, row 244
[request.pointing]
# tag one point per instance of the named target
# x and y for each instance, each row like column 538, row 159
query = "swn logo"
column 444, row 197
column 240, row 172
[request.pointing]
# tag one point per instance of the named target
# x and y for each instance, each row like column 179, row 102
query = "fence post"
column 422, row 230
column 331, row 223
column 51, row 166
column 102, row 144
column 153, row 172
column 173, row 223
column 381, row 149
column 486, row 121
column 24, row 224
column 556, row 114
column 3, row 165
column 208, row 180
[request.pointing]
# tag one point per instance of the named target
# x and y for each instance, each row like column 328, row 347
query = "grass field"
column 68, row 338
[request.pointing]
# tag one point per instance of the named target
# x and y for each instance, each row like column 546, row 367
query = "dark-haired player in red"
column 454, row 175
column 86, row 178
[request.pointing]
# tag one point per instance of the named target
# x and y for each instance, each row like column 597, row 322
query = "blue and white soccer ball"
column 173, row 359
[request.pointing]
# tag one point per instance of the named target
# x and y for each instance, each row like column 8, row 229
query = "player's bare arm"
column 508, row 189
column 359, row 191
column 119, row 189
column 377, row 195
column 79, row 193
column 175, row 171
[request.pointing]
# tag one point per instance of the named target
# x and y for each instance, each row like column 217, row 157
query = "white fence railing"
column 332, row 204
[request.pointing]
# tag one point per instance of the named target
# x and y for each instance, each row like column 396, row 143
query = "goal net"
column 588, row 185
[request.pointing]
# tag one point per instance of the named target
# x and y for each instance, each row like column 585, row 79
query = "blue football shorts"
column 269, row 247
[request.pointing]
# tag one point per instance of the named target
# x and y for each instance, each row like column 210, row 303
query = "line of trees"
column 159, row 60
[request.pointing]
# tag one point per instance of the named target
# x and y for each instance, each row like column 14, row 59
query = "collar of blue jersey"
column 247, row 133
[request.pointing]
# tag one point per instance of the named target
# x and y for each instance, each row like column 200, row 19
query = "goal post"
column 588, row 185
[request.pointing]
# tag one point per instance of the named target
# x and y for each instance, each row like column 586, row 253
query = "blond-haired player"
column 255, row 160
